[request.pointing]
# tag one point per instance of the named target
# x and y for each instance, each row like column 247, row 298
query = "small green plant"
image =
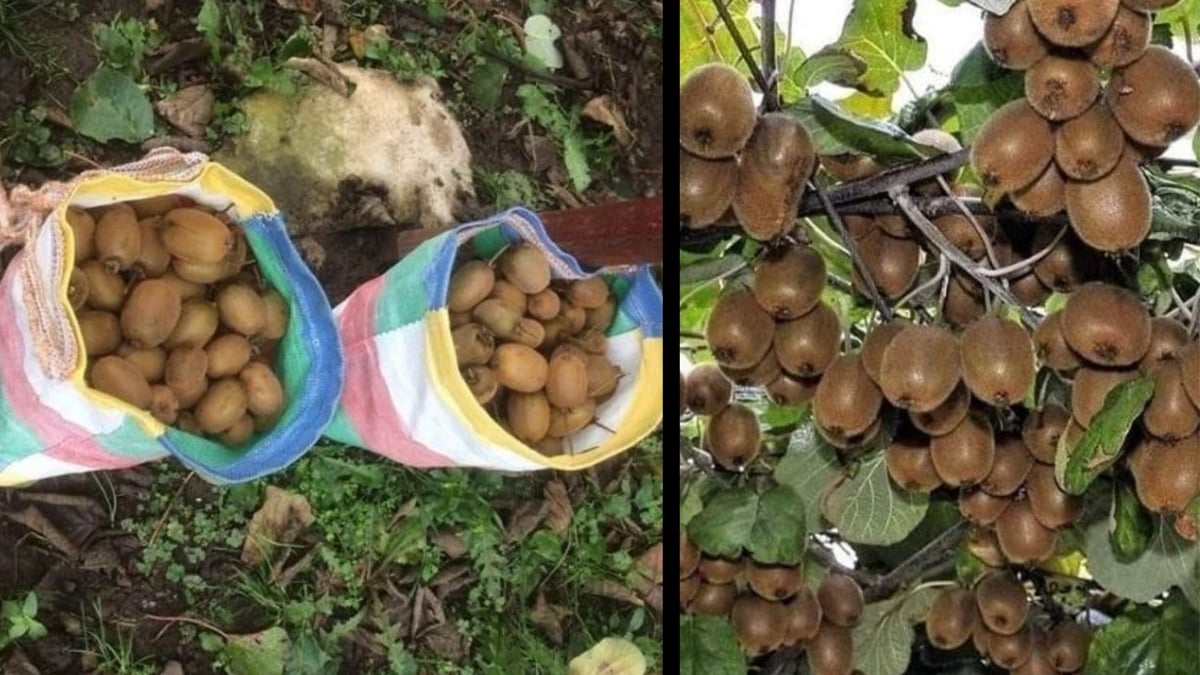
column 26, row 139
column 112, row 652
column 124, row 43
column 566, row 128
column 505, row 188
column 18, row 620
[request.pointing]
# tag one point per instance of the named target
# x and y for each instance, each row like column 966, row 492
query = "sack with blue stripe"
column 405, row 398
column 52, row 422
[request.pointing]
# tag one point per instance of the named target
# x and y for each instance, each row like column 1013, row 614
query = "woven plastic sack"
column 405, row 398
column 52, row 423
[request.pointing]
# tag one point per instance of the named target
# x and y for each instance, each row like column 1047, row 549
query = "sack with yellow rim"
column 489, row 346
column 156, row 309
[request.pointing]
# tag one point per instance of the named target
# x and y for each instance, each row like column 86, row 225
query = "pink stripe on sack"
column 365, row 396
column 63, row 440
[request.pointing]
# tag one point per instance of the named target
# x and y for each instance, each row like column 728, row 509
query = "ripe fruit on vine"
column 1011, row 38
column 1106, row 325
column 708, row 390
column 1013, row 148
column 951, row 618
column 1168, row 339
column 689, row 556
column 1170, row 415
column 1009, row 468
column 831, row 651
column 772, row 172
column 713, row 599
column 947, row 416
column 877, row 340
column 1112, row 213
column 1124, row 42
column 1052, row 347
column 789, row 282
column 981, row 508
column 997, row 361
column 739, row 330
column 1089, row 146
column 965, row 455
column 920, row 368
column 1073, row 23
column 804, row 616
column 910, row 465
column 719, row 570
column 760, row 625
column 1156, row 99
column 841, row 600
column 1067, row 646
column 1003, row 605
column 1023, row 539
column 1011, row 651
column 1061, row 88
column 773, row 582
column 847, row 402
column 806, row 346
column 1051, row 505
column 716, row 111
column 706, row 188
column 1068, row 265
column 733, row 437
column 1091, row 386
column 1045, row 196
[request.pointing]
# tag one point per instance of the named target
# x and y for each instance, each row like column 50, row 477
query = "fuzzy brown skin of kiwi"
column 1052, row 348
column 1090, row 387
column 806, row 346
column 998, row 364
column 1067, row 646
column 1068, row 265
column 948, row 415
column 1043, row 197
column 739, row 331
column 876, row 342
column 1010, row 651
column 1168, row 338
column 773, row 169
column 964, row 301
column 1112, row 213
column 720, row 570
column 733, row 437
column 713, row 599
column 789, row 284
column 1051, row 505
column 804, row 617
column 841, row 600
column 1002, row 602
column 951, row 618
column 920, row 368
column 1010, row 467
column 981, row 508
column 909, row 464
column 1089, row 146
column 847, row 402
column 708, row 390
column 1189, row 361
column 1106, row 324
column 1166, row 475
column 1011, row 39
column 1170, row 415
column 1124, row 42
column 792, row 392
column 1156, row 99
column 965, row 455
column 760, row 625
column 1022, row 538
column 892, row 262
column 716, row 112
column 1073, row 23
column 1061, row 88
column 1013, row 148
column 758, row 375
column 706, row 188
column 831, row 650
column 773, row 582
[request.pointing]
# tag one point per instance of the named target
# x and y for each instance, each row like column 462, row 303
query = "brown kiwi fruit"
column 713, row 599
column 545, row 305
column 184, row 373
column 706, row 188
column 498, row 317
column 909, row 463
column 482, row 383
column 920, row 368
column 504, row 291
column 689, row 556
column 1089, row 146
column 588, row 293
column 1189, row 361
column 198, row 322
column 1010, row 651
column 1013, row 148
column 1112, row 213
column 525, row 266
column 188, row 290
column 1068, row 264
column 716, row 111
column 1052, row 506
column 1052, row 347
column 83, row 230
column 1073, row 23
column 119, row 378
column 965, row 455
column 153, row 259
column 196, row 236
column 199, row 273
column 221, row 406
column 842, row 441
column 980, row 637
column 789, row 282
column 1002, row 602
column 151, row 313
column 1170, row 415
column 241, row 309
column 566, row 380
column 1125, row 41
column 1023, row 539
column 1168, row 338
column 1091, row 386
column 473, row 344
column 77, row 289
column 792, row 392
column 847, row 402
column 709, row 391
column 771, row 174
column 687, row 590
column 1029, row 290
column 739, row 331
column 469, row 285
column 528, row 415
column 733, row 436
column 877, row 340
column 893, row 263
column 773, row 582
column 151, row 361
column 948, row 415
column 106, row 289
column 1009, row 468
column 1149, row 5
column 241, row 431
column 227, row 355
column 849, row 166
column 997, row 361
column 964, row 300
column 758, row 375
column 831, row 651
column 1045, row 196
column 1156, row 99
column 264, row 391
column 806, row 346
column 1166, row 476
column 1061, row 88
column 164, row 407
column 118, row 238
column 1067, row 646
column 804, row 616
column 101, row 332
column 951, row 618
column 1038, row 662
column 1011, row 38
column 963, row 234
column 980, row 508
column 841, row 600
column 720, row 570
column 1106, row 324
column 982, row 543
column 760, row 625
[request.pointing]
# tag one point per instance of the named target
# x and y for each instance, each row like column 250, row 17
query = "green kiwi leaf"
column 1076, row 468
column 1132, row 525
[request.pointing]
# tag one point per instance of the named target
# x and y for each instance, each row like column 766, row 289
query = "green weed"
column 18, row 620
column 112, row 652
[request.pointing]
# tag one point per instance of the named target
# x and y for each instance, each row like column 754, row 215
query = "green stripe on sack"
column 19, row 441
column 405, row 298
column 131, row 440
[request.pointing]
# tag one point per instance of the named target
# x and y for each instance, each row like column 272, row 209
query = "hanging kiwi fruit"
column 189, row 352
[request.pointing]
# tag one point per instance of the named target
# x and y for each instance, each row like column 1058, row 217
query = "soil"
column 102, row 569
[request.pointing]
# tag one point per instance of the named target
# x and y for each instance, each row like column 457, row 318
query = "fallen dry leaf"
column 451, row 544
column 603, row 110
column 650, row 563
column 190, row 109
column 542, row 152
column 558, row 506
column 549, row 618
column 33, row 518
column 324, row 73
column 614, row 591
column 282, row 518
column 359, row 39
column 525, row 519
column 311, row 8
column 445, row 641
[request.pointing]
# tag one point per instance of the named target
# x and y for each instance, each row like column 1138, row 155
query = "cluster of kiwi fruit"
column 1074, row 141
column 775, row 333
column 995, row 615
column 730, row 157
column 175, row 318
column 532, row 350
column 771, row 607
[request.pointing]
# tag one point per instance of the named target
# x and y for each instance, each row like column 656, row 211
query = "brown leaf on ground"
column 451, row 544
column 558, row 506
column 446, row 642
column 33, row 518
column 542, row 152
column 311, row 8
column 359, row 39
column 323, row 72
column 549, row 618
column 602, row 109
column 524, row 520
column 614, row 591
column 190, row 109
column 282, row 518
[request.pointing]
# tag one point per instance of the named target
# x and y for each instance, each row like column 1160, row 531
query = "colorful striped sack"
column 405, row 398
column 52, row 423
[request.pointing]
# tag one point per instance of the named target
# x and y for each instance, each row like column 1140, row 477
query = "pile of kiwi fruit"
column 771, row 606
column 731, row 158
column 1100, row 100
column 997, row 618
column 533, row 350
column 175, row 318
